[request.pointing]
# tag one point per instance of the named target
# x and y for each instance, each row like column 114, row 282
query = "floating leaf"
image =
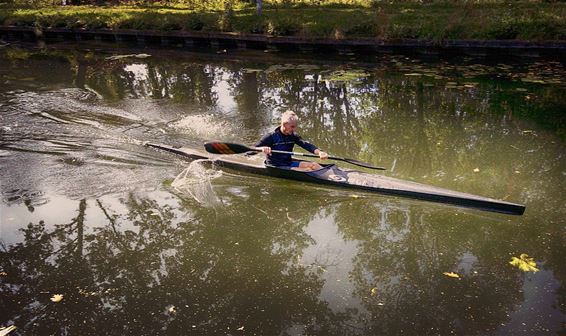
column 57, row 298
column 374, row 291
column 524, row 263
column 6, row 331
column 250, row 70
column 346, row 75
column 118, row 57
column 533, row 80
column 307, row 67
column 451, row 275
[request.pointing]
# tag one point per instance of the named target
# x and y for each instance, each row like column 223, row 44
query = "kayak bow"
column 333, row 175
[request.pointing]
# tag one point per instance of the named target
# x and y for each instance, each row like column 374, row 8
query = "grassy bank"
column 435, row 21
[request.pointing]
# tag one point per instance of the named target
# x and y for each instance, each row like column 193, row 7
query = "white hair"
column 289, row 116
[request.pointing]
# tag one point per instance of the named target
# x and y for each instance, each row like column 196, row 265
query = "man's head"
column 289, row 122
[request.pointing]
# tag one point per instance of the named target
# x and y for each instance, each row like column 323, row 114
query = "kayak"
column 332, row 175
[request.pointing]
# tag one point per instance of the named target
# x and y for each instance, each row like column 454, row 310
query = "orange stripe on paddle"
column 222, row 148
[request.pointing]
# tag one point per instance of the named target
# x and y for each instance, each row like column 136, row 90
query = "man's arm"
column 310, row 147
column 264, row 144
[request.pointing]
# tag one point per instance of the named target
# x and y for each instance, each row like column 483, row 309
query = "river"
column 140, row 242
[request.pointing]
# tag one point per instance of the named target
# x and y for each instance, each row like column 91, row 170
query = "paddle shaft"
column 351, row 161
column 217, row 147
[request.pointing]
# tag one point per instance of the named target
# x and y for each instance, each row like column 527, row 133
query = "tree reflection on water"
column 145, row 266
column 217, row 273
column 158, row 269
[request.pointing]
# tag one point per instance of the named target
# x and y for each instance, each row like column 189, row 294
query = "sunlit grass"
column 336, row 19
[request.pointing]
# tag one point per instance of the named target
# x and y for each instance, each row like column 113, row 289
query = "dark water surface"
column 139, row 244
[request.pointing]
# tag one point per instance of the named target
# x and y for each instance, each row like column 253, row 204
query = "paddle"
column 233, row 148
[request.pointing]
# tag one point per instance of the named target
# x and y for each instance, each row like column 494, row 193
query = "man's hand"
column 322, row 155
column 266, row 150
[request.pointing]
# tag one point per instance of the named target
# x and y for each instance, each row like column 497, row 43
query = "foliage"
column 328, row 19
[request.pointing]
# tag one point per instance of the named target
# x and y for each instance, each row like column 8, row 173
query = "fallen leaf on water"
column 6, row 330
column 57, row 297
column 118, row 57
column 524, row 263
column 374, row 291
column 451, row 274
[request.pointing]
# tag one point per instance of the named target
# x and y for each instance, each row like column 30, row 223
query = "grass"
column 339, row 19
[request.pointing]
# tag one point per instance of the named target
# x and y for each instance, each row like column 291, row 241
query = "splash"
column 195, row 182
column 203, row 126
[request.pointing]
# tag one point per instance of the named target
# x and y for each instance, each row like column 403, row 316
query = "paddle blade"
column 226, row 148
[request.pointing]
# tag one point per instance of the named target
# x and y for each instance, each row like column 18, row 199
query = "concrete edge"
column 260, row 41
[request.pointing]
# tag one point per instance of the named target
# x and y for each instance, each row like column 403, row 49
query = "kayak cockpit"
column 325, row 167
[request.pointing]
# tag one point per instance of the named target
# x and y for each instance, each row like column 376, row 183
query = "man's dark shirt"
column 279, row 141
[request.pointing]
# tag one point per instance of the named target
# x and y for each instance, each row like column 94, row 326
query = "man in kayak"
column 283, row 138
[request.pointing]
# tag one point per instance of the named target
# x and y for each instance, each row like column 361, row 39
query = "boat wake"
column 195, row 181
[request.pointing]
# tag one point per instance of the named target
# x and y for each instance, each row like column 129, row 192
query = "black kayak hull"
column 333, row 175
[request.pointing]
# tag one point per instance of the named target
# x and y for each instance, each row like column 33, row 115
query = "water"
column 121, row 232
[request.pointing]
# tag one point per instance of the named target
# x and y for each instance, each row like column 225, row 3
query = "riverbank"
column 435, row 22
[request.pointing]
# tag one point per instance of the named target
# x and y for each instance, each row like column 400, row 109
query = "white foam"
column 195, row 181
column 203, row 126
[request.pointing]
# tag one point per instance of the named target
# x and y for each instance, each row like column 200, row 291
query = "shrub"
column 194, row 23
column 503, row 31
column 363, row 28
column 250, row 23
column 283, row 26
